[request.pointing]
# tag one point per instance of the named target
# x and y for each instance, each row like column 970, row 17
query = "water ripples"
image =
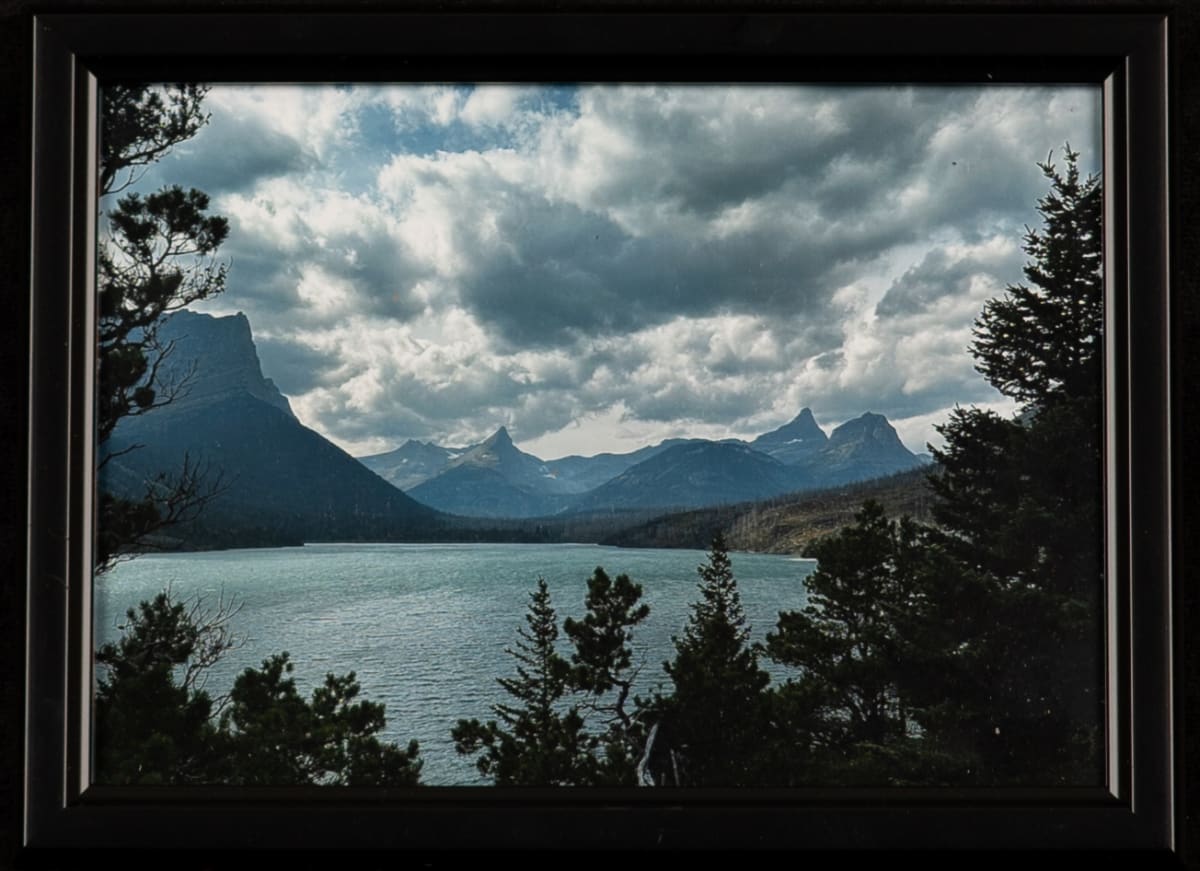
column 424, row 627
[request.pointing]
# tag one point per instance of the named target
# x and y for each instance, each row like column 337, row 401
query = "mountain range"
column 281, row 482
column 497, row 479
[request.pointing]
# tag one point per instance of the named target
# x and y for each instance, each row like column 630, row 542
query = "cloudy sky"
column 598, row 268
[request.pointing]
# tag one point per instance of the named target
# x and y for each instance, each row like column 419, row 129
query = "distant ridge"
column 693, row 475
column 786, row 525
column 496, row 479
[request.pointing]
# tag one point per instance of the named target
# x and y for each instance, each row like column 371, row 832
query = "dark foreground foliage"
column 156, row 722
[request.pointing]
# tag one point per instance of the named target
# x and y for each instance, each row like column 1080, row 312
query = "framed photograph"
column 572, row 431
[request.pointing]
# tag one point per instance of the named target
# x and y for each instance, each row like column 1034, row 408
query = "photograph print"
column 599, row 436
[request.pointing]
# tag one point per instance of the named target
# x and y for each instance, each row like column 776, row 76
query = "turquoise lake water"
column 425, row 626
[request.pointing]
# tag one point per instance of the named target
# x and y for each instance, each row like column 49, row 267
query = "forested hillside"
column 784, row 525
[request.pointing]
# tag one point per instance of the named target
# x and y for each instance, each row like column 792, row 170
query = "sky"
column 598, row 268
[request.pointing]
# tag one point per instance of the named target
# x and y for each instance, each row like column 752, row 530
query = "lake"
column 424, row 626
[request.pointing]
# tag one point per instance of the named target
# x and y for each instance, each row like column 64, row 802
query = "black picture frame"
column 1129, row 52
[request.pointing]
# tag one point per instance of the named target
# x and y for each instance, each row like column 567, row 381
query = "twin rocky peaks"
column 496, row 479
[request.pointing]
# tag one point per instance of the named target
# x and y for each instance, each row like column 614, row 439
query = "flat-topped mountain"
column 230, row 361
column 278, row 481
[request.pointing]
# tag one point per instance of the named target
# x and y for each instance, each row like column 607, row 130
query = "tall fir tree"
column 843, row 642
column 1019, row 506
column 845, row 716
column 1043, row 341
column 712, row 726
column 538, row 740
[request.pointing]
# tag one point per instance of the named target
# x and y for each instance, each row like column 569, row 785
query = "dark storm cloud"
column 380, row 273
column 236, row 155
column 886, row 169
column 294, row 367
column 260, row 277
column 705, row 402
column 699, row 253
column 941, row 275
column 230, row 154
column 705, row 150
column 564, row 272
column 366, row 269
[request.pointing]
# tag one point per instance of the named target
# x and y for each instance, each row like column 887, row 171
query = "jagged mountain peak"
column 499, row 439
column 802, row 427
column 795, row 441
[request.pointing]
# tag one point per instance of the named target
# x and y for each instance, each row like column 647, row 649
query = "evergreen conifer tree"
column 713, row 722
column 274, row 737
column 1019, row 506
column 602, row 666
column 844, row 717
column 156, row 722
column 536, row 742
column 158, row 255
column 152, row 714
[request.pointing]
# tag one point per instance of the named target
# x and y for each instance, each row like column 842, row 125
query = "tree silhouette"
column 539, row 740
column 152, row 724
column 711, row 726
column 276, row 738
column 153, row 714
column 1019, row 506
column 156, row 721
column 603, row 667
column 158, row 255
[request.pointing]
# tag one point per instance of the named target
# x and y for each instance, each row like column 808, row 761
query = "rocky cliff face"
column 213, row 358
column 865, row 447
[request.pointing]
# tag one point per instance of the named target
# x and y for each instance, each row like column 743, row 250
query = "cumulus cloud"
column 596, row 265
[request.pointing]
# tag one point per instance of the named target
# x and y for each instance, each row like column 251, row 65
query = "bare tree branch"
column 129, row 527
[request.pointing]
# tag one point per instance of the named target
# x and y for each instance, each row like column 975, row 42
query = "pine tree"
column 274, row 737
column 845, row 717
column 535, row 742
column 1042, row 341
column 602, row 666
column 152, row 713
column 156, row 722
column 1020, row 507
column 713, row 722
